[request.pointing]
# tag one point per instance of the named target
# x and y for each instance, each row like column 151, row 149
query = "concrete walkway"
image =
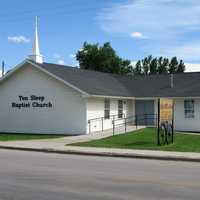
column 59, row 146
column 61, row 142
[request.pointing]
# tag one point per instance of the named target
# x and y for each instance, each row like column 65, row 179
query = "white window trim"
column 106, row 108
column 188, row 109
column 120, row 109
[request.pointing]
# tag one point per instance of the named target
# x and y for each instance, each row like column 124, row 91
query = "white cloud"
column 18, row 39
column 57, row 56
column 157, row 19
column 61, row 62
column 189, row 52
column 72, row 56
column 137, row 35
column 133, row 63
column 172, row 27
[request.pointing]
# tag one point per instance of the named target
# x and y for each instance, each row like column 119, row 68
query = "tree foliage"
column 102, row 58
column 138, row 68
column 181, row 67
column 150, row 65
column 105, row 59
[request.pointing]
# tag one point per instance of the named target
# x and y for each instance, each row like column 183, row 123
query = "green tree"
column 160, row 65
column 180, row 67
column 138, row 68
column 163, row 65
column 146, row 64
column 153, row 66
column 102, row 58
column 125, row 67
column 173, row 65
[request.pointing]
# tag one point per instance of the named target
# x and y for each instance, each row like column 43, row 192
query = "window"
column 107, row 108
column 120, row 109
column 189, row 108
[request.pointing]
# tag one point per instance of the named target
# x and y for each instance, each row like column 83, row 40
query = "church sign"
column 165, row 125
column 32, row 101
column 166, row 110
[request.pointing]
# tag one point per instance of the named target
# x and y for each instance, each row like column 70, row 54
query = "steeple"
column 36, row 56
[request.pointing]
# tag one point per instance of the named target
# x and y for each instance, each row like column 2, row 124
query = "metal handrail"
column 136, row 116
column 101, row 119
column 135, row 119
column 110, row 116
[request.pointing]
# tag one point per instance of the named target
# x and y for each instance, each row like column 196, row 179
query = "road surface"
column 42, row 176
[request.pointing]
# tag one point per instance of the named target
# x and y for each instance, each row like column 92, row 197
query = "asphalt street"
column 43, row 176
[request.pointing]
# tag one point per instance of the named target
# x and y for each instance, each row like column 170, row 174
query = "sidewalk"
column 59, row 146
column 61, row 142
column 111, row 152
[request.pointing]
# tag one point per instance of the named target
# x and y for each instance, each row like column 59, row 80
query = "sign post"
column 158, row 124
column 165, row 124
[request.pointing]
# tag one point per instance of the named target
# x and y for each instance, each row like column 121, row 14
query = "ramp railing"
column 147, row 120
column 102, row 121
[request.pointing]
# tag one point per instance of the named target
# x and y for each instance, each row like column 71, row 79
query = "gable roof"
column 95, row 83
column 106, row 84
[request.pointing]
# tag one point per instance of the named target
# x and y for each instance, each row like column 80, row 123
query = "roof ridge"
column 119, row 75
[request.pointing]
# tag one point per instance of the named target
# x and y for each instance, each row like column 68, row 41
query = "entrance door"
column 144, row 110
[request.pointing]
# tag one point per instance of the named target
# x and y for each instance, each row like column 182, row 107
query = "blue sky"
column 135, row 28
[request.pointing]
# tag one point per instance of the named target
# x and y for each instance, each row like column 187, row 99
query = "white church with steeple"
column 36, row 56
column 46, row 98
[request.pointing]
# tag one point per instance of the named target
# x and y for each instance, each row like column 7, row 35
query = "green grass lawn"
column 13, row 137
column 146, row 139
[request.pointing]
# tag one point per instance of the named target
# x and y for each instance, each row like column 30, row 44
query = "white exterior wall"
column 155, row 110
column 95, row 109
column 130, row 108
column 183, row 124
column 70, row 112
column 67, row 116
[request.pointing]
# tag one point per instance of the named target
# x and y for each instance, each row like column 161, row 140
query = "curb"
column 106, row 154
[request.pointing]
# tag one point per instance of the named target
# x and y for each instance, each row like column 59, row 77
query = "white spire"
column 36, row 56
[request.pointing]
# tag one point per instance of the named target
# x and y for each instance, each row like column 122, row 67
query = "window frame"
column 120, row 109
column 189, row 108
column 106, row 108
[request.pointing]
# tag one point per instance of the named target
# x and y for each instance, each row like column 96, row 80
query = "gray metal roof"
column 105, row 84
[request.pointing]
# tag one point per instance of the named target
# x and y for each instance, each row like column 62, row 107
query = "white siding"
column 95, row 109
column 155, row 111
column 67, row 116
column 183, row 124
column 130, row 108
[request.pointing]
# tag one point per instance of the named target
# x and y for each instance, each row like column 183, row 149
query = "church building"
column 46, row 98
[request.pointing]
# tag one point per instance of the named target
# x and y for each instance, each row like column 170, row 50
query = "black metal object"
column 134, row 121
column 158, row 124
column 89, row 123
column 113, row 122
column 166, row 133
column 101, row 120
column 173, row 123
column 165, row 130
